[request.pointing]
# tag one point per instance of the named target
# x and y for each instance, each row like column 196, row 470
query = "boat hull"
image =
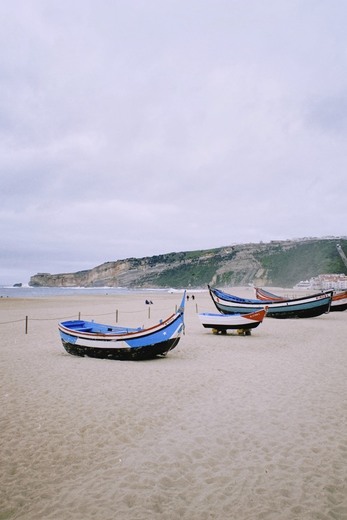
column 308, row 307
column 87, row 338
column 123, row 354
column 338, row 307
column 223, row 322
column 338, row 301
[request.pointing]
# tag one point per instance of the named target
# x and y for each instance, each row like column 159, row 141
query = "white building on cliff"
column 337, row 282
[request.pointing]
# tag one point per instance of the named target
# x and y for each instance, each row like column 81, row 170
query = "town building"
column 337, row 282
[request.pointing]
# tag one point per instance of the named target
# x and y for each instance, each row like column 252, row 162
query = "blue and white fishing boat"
column 88, row 338
column 305, row 307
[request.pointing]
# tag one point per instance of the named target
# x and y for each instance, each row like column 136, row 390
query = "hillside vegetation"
column 286, row 267
column 278, row 263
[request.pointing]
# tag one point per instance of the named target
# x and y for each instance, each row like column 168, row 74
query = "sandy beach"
column 225, row 427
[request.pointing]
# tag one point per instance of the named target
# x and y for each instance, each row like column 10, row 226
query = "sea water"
column 37, row 292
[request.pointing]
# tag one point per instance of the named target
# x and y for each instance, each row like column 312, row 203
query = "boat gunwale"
column 239, row 300
column 119, row 336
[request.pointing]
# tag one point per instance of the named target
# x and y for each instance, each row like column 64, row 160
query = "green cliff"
column 278, row 263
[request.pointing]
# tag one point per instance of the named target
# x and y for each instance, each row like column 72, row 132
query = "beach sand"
column 224, row 427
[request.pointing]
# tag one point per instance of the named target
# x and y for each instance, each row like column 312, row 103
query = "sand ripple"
column 223, row 428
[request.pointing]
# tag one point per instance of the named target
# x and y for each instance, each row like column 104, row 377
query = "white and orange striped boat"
column 338, row 300
column 243, row 323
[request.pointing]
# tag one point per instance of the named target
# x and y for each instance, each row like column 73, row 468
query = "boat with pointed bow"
column 243, row 323
column 305, row 307
column 338, row 301
column 88, row 338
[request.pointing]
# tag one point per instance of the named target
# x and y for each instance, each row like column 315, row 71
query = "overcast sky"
column 131, row 128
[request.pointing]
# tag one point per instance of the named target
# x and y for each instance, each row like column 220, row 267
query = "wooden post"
column 117, row 316
column 26, row 324
column 149, row 311
column 79, row 315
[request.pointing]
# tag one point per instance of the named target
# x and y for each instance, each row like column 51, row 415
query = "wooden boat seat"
column 84, row 329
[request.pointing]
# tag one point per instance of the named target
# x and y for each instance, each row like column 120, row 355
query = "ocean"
column 39, row 292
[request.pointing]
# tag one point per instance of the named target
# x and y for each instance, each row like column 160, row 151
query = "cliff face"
column 275, row 263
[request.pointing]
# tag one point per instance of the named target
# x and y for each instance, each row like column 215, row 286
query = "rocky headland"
column 280, row 263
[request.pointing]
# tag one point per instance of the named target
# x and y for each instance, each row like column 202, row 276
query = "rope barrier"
column 14, row 321
column 116, row 312
column 53, row 319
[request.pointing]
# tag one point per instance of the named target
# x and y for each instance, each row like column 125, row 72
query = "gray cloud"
column 139, row 128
